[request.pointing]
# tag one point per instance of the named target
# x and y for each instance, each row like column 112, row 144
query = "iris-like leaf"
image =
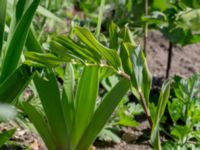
column 68, row 97
column 162, row 102
column 103, row 112
column 13, row 86
column 85, row 101
column 40, row 123
column 49, row 94
column 16, row 44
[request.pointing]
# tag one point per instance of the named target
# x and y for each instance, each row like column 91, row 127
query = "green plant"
column 63, row 130
column 178, row 23
column 184, row 111
column 14, row 77
column 130, row 63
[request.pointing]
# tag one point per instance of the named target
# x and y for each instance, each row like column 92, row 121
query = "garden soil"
column 185, row 61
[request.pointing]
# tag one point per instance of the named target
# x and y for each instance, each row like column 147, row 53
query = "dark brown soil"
column 185, row 60
column 22, row 138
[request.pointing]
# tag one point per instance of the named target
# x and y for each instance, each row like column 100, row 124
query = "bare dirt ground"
column 185, row 60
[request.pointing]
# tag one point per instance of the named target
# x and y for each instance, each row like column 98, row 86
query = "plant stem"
column 145, row 27
column 100, row 16
column 146, row 109
column 170, row 53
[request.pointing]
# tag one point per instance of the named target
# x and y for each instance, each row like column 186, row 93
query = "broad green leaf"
column 6, row 135
column 162, row 102
column 125, row 58
column 140, row 75
column 3, row 4
column 40, row 123
column 181, row 132
column 48, row 59
column 74, row 49
column 85, row 101
column 14, row 85
column 16, row 44
column 49, row 94
column 175, row 109
column 103, row 112
column 86, row 37
column 128, row 121
column 137, row 59
column 64, row 52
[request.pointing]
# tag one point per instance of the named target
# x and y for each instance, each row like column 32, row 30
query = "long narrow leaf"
column 38, row 119
column 12, row 87
column 103, row 112
column 162, row 102
column 68, row 97
column 48, row 60
column 85, row 101
column 49, row 94
column 16, row 44
column 31, row 43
